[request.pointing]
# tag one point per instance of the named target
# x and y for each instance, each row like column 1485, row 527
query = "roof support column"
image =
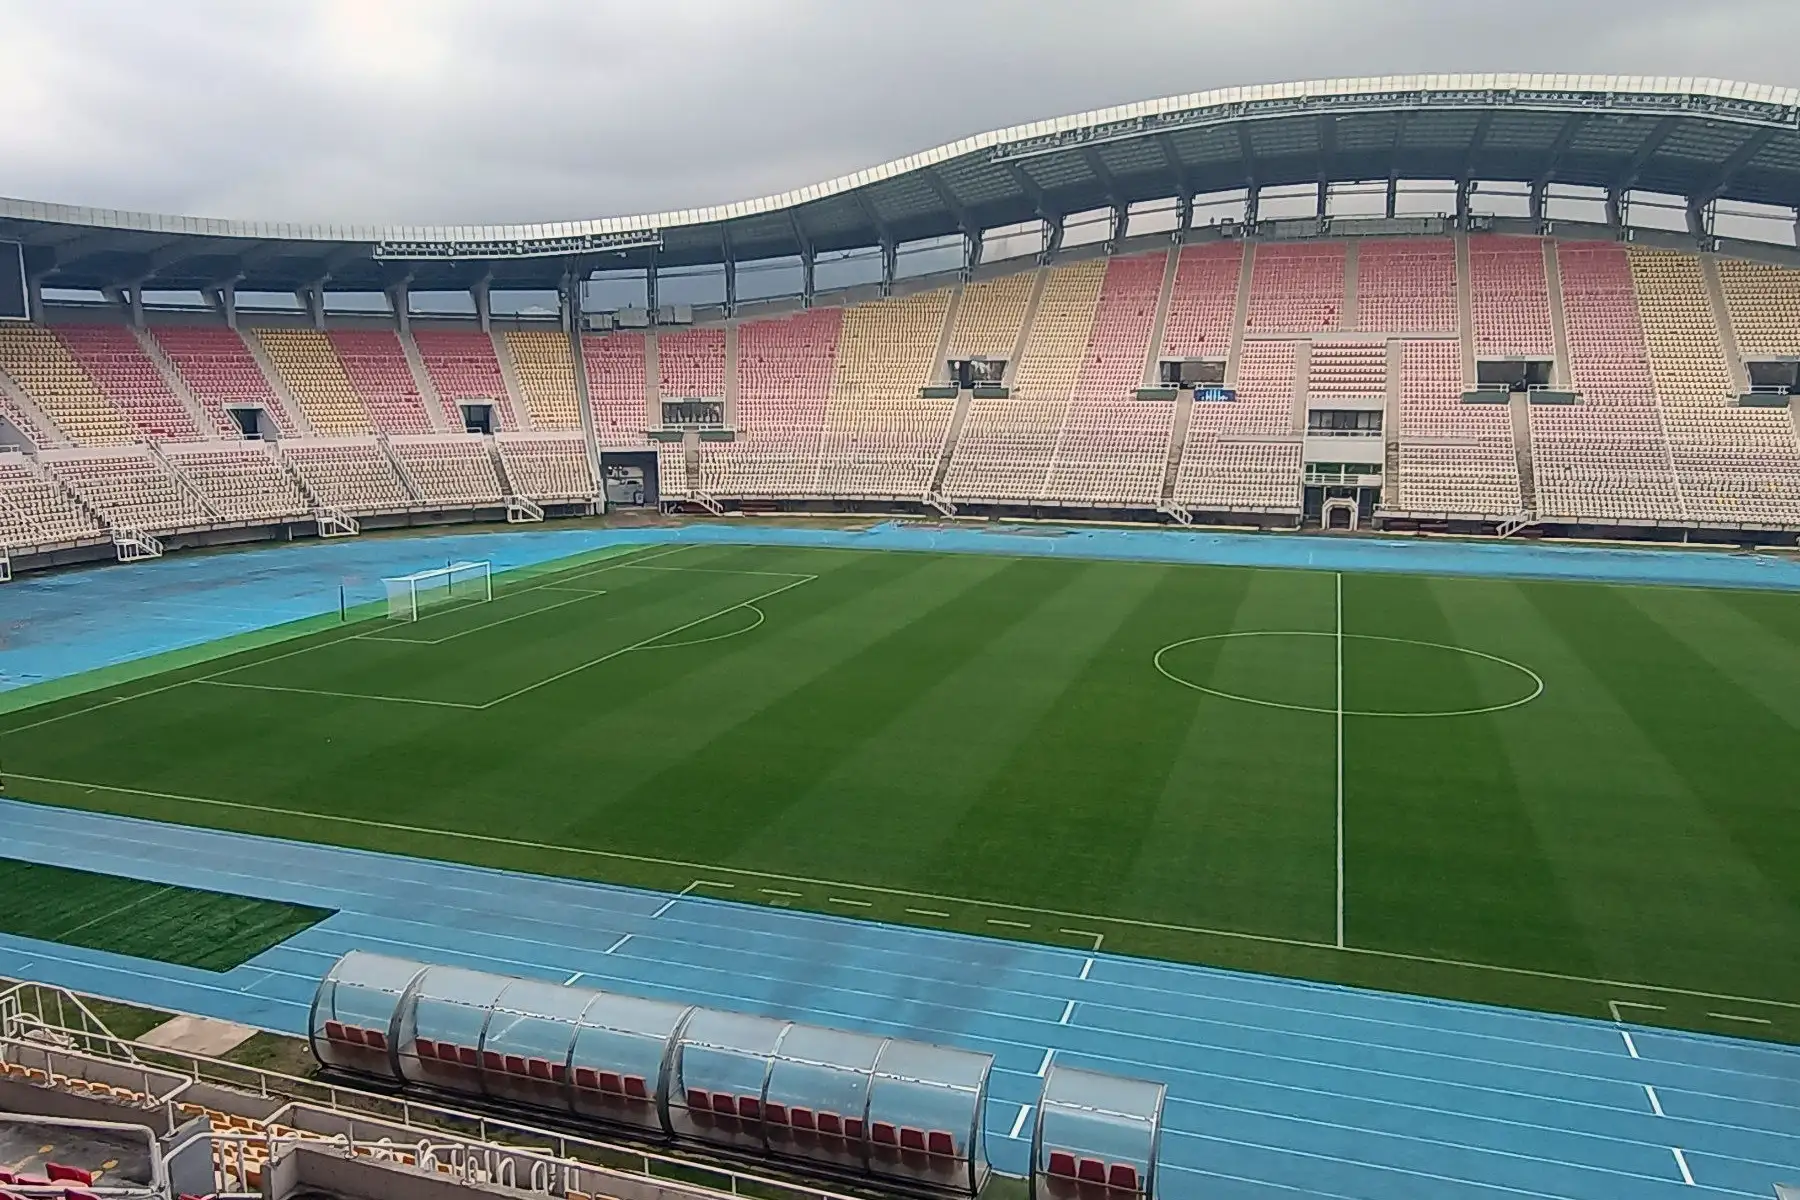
column 652, row 300
column 1323, row 208
column 1539, row 202
column 130, row 300
column 1253, row 206
column 312, row 299
column 223, row 301
column 1184, row 216
column 730, row 285
column 34, row 296
column 1053, row 239
column 1797, row 224
column 971, row 253
column 1393, row 197
column 890, row 265
column 808, row 261
column 1700, row 223
column 1464, row 189
column 399, row 301
column 480, row 292
column 1121, row 224
column 568, row 301
column 1615, row 210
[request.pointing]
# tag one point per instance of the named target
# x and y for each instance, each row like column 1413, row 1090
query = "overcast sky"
column 521, row 110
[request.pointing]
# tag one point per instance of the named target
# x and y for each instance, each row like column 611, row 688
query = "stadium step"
column 1521, row 427
column 284, row 395
column 1515, row 523
column 47, row 432
column 428, row 393
column 1349, row 312
column 1559, row 325
column 1715, row 294
column 509, row 373
column 952, row 435
column 1153, row 352
column 1030, row 318
column 132, row 545
column 334, row 523
column 1240, row 316
column 1465, row 308
column 1178, row 432
column 520, row 511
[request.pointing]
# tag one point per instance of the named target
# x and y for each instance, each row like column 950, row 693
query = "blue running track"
column 1278, row 1088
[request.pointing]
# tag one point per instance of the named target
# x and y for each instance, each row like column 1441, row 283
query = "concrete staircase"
column 1178, row 431
column 1153, row 353
column 1521, row 427
column 434, row 403
column 1240, row 316
column 1715, row 293
column 284, row 395
column 940, row 358
column 1465, row 309
column 1349, row 313
column 175, row 383
column 934, row 494
column 731, row 375
column 1390, row 424
column 1031, row 312
column 43, row 427
column 1559, row 326
column 509, row 374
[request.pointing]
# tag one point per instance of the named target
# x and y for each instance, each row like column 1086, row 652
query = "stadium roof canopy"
column 1703, row 139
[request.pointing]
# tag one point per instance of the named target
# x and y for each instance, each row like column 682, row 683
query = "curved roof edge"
column 1754, row 103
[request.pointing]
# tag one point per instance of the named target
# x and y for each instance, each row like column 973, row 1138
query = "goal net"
column 460, row 583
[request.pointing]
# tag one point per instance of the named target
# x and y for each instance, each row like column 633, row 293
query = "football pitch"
column 1575, row 797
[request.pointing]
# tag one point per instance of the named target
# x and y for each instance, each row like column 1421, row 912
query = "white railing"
column 1517, row 522
column 941, row 503
column 5, row 567
column 1175, row 512
column 708, row 502
column 521, row 511
column 336, row 523
column 131, row 545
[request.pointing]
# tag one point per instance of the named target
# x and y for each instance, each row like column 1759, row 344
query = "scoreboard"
column 13, row 306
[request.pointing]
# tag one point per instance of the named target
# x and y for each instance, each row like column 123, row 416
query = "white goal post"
column 466, row 582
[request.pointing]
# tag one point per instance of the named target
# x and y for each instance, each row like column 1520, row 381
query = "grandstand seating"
column 1599, row 462
column 1348, row 369
column 1005, row 451
column 114, row 360
column 1509, row 297
column 376, row 366
column 546, row 467
column 242, row 481
column 35, row 510
column 451, row 471
column 462, row 366
column 546, row 376
column 219, row 370
column 1111, row 454
column 1687, row 358
column 1407, row 286
column 882, row 448
column 1124, row 319
column 989, row 317
column 1296, row 287
column 351, row 474
column 130, row 488
column 1606, row 339
column 1454, row 458
column 1244, row 453
column 36, row 432
column 787, row 372
column 672, row 471
column 49, row 374
column 1058, row 339
column 1203, row 304
column 884, row 350
column 615, row 379
column 692, row 363
column 313, row 373
column 1763, row 301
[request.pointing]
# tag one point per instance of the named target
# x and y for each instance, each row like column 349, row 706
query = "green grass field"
column 1546, row 794
column 193, row 928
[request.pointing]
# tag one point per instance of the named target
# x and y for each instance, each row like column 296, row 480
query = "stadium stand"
column 1057, row 341
column 615, row 379
column 130, row 487
column 1764, row 305
column 1111, row 454
column 1119, row 335
column 885, row 349
column 1243, row 454
column 1296, row 287
column 1606, row 339
column 220, row 371
column 546, row 376
column 1005, row 451
column 1509, row 297
column 787, row 369
column 1407, row 286
column 692, row 363
column 36, row 510
column 1203, row 305
column 351, row 474
column 241, row 481
column 454, row 471
column 1347, row 369
column 989, row 317
column 882, row 448
column 115, row 361
column 546, row 467
column 44, row 369
column 1454, row 458
column 375, row 364
column 462, row 366
column 313, row 373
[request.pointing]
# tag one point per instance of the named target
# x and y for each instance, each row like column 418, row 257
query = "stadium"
column 1242, row 645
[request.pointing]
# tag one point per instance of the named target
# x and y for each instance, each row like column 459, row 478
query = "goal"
column 463, row 582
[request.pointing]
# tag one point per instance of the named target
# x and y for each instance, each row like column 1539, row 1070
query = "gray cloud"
column 441, row 111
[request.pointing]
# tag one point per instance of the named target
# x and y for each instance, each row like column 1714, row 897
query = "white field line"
column 1736, row 1017
column 107, row 916
column 571, row 979
column 639, row 564
column 878, row 890
column 1340, row 760
column 271, row 687
column 450, row 637
column 1086, row 968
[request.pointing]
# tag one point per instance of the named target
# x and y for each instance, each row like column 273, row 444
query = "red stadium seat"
column 635, row 1087
column 491, row 1061
column 334, row 1031
column 831, row 1125
column 353, row 1034
column 725, row 1104
column 559, row 1073
column 749, row 1108
column 515, row 1064
column 1091, row 1170
column 884, row 1134
column 425, row 1048
column 1062, row 1164
column 587, row 1079
column 1123, row 1176
column 775, row 1114
column 698, row 1100
column 853, row 1128
column 375, row 1039
column 912, row 1139
column 466, row 1056
column 61, row 1174
column 802, row 1119
column 538, row 1068
column 941, row 1141
column 5, row 1175
column 610, row 1082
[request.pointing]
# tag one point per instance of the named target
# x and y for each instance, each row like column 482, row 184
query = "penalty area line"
column 878, row 890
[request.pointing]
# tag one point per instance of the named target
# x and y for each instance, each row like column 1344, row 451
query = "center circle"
column 1530, row 683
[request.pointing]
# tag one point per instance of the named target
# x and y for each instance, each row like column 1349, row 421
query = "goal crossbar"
column 467, row 582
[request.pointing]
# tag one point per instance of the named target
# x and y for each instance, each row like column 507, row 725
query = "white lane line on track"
column 1044, row 1067
column 1019, row 1122
column 571, row 979
column 1630, row 1046
column 1129, row 922
column 617, row 944
column 1736, row 1017
column 670, row 902
column 1068, row 1011
column 1086, row 966
column 1687, row 1176
column 1340, row 760
column 928, row 912
column 852, row 903
column 1655, row 1104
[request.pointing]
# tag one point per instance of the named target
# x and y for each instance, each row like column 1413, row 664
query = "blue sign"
column 1215, row 395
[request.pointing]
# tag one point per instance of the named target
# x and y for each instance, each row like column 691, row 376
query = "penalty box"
column 527, row 638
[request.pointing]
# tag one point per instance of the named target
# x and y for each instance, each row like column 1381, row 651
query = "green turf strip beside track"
column 1569, row 796
column 167, row 923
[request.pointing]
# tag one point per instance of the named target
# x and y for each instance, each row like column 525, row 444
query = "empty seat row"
column 1407, row 285
column 702, row 1104
column 1057, row 341
column 1064, row 1165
